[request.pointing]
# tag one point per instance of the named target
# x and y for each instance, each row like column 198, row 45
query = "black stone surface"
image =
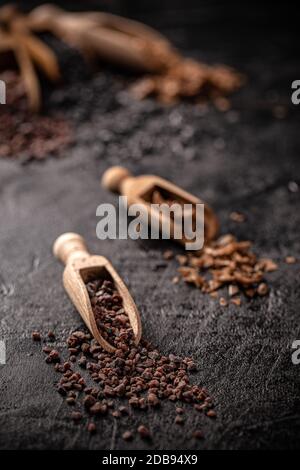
column 241, row 160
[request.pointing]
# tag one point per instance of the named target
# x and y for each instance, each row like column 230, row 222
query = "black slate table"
column 243, row 159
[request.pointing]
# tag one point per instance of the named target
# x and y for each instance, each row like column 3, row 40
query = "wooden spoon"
column 140, row 189
column 81, row 267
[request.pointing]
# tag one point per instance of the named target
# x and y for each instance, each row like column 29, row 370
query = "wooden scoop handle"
column 113, row 178
column 70, row 246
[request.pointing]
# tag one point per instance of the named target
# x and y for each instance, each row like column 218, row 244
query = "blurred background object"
column 113, row 39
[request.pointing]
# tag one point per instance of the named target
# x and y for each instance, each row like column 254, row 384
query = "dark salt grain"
column 82, row 362
column 76, row 416
column 144, row 432
column 71, row 401
column 73, row 351
column 91, row 427
column 53, row 356
column 89, row 401
column 262, row 289
column 36, row 336
column 168, row 255
column 51, row 335
column 124, row 410
column 98, row 409
column 61, row 391
column 138, row 374
column 198, row 435
column 127, row 436
column 179, row 420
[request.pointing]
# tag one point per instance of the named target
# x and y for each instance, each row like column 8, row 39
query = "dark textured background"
column 239, row 160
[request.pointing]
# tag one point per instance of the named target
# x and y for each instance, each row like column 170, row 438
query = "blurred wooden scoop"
column 147, row 189
column 82, row 267
column 113, row 38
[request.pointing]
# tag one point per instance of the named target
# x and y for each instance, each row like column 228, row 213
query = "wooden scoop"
column 112, row 38
column 82, row 267
column 140, row 189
